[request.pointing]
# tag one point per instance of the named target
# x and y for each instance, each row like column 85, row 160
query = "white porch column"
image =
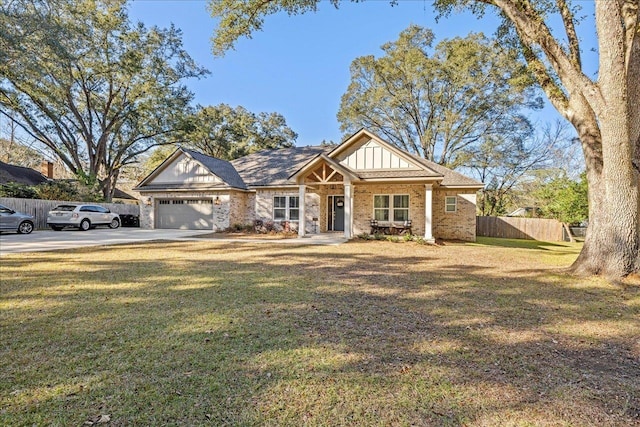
column 428, row 213
column 348, row 209
column 302, row 220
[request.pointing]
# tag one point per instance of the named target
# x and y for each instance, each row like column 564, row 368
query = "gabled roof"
column 450, row 178
column 218, row 167
column 344, row 171
column 282, row 167
column 424, row 169
column 12, row 173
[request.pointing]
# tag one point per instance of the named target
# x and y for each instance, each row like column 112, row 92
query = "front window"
column 401, row 208
column 451, row 204
column 381, row 208
column 395, row 208
column 286, row 208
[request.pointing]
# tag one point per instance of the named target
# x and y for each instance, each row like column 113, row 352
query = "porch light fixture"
column 147, row 201
column 217, row 200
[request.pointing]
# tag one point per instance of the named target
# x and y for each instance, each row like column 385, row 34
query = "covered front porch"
column 348, row 203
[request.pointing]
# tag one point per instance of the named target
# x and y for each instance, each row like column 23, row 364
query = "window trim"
column 392, row 208
column 287, row 208
column 447, row 204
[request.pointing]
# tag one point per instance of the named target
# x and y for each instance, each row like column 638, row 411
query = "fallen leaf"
column 104, row 419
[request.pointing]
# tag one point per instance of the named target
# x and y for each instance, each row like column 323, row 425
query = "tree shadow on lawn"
column 242, row 334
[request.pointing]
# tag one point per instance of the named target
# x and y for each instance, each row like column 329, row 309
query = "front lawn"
column 368, row 333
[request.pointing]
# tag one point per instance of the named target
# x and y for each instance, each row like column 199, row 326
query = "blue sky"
column 299, row 66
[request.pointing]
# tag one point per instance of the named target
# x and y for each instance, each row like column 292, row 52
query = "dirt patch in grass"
column 365, row 333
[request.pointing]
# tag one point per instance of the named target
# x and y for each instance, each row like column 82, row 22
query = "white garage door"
column 185, row 214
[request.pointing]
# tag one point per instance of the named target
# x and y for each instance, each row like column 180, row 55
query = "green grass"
column 366, row 333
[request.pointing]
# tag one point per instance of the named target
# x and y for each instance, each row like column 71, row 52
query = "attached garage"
column 185, row 214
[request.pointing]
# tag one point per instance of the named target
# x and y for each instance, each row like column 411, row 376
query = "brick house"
column 343, row 187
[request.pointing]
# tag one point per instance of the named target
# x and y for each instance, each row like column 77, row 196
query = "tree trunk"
column 612, row 245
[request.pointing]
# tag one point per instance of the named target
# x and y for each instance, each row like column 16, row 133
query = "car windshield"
column 5, row 209
column 68, row 208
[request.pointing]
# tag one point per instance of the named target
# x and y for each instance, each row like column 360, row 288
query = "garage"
column 185, row 214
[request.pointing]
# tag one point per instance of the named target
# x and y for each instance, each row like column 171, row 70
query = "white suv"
column 83, row 217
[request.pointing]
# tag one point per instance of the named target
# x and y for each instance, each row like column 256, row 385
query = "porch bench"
column 390, row 227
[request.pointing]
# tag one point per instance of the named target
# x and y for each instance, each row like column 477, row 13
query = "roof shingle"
column 274, row 167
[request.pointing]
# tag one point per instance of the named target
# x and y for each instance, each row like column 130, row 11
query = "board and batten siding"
column 40, row 208
column 185, row 170
column 372, row 156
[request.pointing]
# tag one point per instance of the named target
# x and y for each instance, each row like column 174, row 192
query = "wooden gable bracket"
column 323, row 175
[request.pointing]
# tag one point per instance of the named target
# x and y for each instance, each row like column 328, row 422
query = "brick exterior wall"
column 238, row 207
column 363, row 204
column 264, row 205
column 459, row 225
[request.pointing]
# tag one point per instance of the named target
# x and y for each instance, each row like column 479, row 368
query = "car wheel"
column 85, row 224
column 56, row 227
column 114, row 223
column 25, row 227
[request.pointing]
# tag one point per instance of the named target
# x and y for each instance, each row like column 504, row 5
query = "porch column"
column 428, row 213
column 302, row 221
column 348, row 208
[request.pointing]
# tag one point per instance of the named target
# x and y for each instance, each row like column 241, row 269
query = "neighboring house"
column 342, row 188
column 527, row 212
column 18, row 174
column 21, row 175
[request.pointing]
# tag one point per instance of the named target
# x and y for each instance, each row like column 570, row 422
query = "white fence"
column 39, row 208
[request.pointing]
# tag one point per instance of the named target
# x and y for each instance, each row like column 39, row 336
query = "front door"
column 335, row 221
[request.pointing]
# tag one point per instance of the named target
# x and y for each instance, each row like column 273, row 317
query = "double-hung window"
column 286, row 208
column 391, row 207
column 450, row 204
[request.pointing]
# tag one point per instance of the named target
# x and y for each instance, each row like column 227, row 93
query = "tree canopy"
column 94, row 88
column 439, row 102
column 225, row 132
column 564, row 199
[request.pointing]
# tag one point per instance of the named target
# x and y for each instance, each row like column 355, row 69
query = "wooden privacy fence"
column 548, row 230
column 40, row 208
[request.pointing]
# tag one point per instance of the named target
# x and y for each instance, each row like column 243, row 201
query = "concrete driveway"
column 48, row 240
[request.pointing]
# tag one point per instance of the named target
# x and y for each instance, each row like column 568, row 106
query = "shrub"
column 420, row 240
column 237, row 227
column 58, row 190
column 19, row 191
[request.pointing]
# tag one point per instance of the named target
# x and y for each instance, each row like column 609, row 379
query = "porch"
column 338, row 200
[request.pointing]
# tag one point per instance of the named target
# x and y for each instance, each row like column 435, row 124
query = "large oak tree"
column 92, row 87
column 227, row 132
column 439, row 102
column 603, row 110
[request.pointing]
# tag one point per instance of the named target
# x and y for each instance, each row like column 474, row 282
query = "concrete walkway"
column 47, row 240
